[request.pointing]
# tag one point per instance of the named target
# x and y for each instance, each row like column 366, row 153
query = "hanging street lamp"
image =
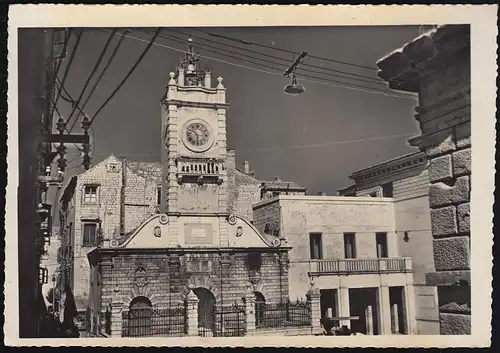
column 294, row 88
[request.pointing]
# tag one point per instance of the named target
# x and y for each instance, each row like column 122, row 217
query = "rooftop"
column 326, row 199
column 146, row 169
column 278, row 184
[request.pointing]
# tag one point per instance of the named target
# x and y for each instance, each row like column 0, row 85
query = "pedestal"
column 250, row 312
column 313, row 296
column 116, row 319
column 192, row 314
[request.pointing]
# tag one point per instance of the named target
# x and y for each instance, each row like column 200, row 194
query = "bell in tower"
column 188, row 71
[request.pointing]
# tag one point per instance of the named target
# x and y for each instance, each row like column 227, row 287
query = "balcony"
column 200, row 170
column 360, row 266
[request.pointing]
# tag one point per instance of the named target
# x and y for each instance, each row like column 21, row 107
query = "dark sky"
column 312, row 139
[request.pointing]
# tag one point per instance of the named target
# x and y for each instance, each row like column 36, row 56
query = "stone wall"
column 410, row 180
column 140, row 202
column 332, row 217
column 413, row 223
column 440, row 74
column 140, row 198
column 166, row 279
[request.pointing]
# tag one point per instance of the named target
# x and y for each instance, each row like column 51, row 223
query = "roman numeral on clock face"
column 197, row 134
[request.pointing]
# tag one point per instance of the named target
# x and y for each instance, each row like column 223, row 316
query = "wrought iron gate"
column 154, row 322
column 223, row 322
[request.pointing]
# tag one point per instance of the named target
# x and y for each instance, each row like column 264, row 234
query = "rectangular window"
column 350, row 245
column 381, row 245
column 90, row 194
column 316, row 246
column 387, row 190
column 158, row 196
column 89, row 234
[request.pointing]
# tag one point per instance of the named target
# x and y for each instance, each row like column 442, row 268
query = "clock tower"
column 194, row 147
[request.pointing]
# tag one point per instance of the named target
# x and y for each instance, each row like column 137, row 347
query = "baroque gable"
column 162, row 231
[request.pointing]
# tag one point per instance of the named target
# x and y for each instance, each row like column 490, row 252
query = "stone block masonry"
column 442, row 80
column 167, row 279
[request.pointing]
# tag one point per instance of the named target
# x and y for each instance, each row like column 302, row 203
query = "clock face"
column 197, row 134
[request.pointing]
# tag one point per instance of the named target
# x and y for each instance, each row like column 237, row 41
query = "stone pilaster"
column 225, row 271
column 384, row 310
column 192, row 314
column 445, row 121
column 284, row 261
column 250, row 311
column 116, row 319
column 343, row 302
column 174, row 265
column 313, row 296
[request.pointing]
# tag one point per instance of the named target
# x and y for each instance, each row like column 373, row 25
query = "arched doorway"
column 260, row 305
column 139, row 317
column 206, row 311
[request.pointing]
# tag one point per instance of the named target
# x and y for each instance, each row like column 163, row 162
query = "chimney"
column 122, row 196
column 246, row 167
column 321, row 193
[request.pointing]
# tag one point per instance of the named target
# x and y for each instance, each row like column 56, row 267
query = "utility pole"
column 56, row 52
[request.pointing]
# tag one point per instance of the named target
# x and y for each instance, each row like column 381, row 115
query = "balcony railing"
column 381, row 265
column 200, row 169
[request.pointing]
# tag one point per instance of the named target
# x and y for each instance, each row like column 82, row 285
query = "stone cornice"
column 180, row 103
column 97, row 252
column 404, row 68
column 433, row 137
column 198, row 214
column 197, row 89
column 390, row 168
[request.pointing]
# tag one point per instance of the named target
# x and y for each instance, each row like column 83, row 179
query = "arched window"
column 139, row 323
column 260, row 306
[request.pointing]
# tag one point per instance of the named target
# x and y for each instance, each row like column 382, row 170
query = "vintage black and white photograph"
column 232, row 182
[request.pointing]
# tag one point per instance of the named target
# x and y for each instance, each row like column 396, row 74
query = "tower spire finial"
column 190, row 44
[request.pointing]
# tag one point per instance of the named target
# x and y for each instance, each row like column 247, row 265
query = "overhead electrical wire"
column 138, row 61
column 92, row 73
column 68, row 98
column 323, row 144
column 286, row 60
column 203, row 46
column 246, row 42
column 54, row 76
column 68, row 66
column 330, row 83
column 103, row 72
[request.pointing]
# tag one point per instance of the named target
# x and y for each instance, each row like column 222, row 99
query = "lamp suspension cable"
column 323, row 81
